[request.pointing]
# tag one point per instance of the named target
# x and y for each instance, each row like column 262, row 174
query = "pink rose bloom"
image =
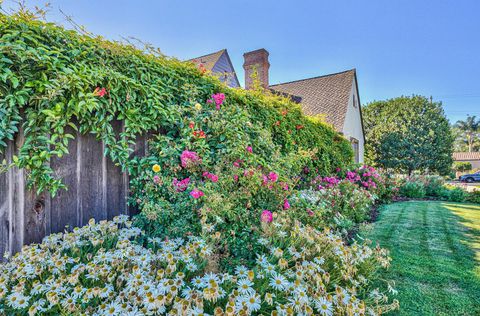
column 196, row 193
column 156, row 179
column 249, row 149
column 235, row 177
column 264, row 179
column 272, row 176
column 266, row 217
column 309, row 212
column 209, row 101
column 189, row 158
column 182, row 185
column 218, row 98
column 214, row 178
column 286, row 204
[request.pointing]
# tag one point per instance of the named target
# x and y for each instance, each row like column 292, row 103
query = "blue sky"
column 398, row 47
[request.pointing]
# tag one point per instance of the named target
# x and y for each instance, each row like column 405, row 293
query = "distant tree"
column 408, row 134
column 469, row 131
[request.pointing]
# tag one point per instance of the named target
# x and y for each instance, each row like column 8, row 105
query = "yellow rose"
column 198, row 106
column 156, row 168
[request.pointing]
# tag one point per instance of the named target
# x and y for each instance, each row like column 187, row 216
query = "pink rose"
column 250, row 149
column 286, row 204
column 272, row 176
column 196, row 193
column 189, row 158
column 266, row 217
column 156, row 179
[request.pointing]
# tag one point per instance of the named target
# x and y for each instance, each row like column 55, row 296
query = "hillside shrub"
column 111, row 268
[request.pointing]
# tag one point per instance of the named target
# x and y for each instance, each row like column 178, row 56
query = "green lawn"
column 435, row 248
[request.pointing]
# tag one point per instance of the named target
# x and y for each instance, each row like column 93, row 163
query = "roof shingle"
column 325, row 95
column 208, row 61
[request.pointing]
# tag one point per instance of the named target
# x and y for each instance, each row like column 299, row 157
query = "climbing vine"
column 54, row 81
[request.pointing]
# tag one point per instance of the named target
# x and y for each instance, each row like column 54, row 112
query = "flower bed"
column 112, row 268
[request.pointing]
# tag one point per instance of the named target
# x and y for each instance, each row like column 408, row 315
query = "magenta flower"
column 156, row 179
column 210, row 176
column 272, row 176
column 196, row 193
column 266, row 217
column 182, row 185
column 235, row 177
column 218, row 98
column 249, row 149
column 189, row 158
column 310, row 212
column 286, row 204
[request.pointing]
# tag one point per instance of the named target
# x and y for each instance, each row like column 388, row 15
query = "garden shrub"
column 411, row 188
column 111, row 268
column 456, row 194
column 473, row 197
column 434, row 185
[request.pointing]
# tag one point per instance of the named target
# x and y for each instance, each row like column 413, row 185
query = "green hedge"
column 48, row 77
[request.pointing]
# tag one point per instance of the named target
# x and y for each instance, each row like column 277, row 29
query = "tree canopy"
column 408, row 134
column 467, row 134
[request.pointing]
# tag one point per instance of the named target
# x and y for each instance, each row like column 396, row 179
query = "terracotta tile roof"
column 459, row 156
column 325, row 95
column 208, row 61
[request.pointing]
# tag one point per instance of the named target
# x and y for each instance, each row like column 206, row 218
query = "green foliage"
column 413, row 189
column 473, row 197
column 408, row 134
column 467, row 133
column 48, row 84
column 457, row 194
column 462, row 166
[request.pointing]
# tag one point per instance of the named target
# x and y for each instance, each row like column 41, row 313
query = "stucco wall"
column 353, row 122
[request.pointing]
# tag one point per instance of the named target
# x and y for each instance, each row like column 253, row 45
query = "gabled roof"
column 216, row 63
column 465, row 156
column 208, row 61
column 327, row 95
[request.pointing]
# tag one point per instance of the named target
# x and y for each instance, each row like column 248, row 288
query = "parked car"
column 470, row 177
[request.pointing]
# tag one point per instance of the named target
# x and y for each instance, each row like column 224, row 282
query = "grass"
column 435, row 248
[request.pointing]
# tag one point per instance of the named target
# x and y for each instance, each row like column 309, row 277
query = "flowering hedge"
column 52, row 78
column 110, row 269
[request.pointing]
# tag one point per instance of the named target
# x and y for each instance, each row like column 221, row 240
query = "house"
column 471, row 157
column 335, row 97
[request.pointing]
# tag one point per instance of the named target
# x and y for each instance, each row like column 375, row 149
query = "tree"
column 468, row 131
column 408, row 134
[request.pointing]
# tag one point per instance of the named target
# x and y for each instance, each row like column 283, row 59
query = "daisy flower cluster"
column 112, row 268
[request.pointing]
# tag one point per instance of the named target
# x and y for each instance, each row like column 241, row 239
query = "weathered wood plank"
column 5, row 202
column 92, row 171
column 116, row 187
column 64, row 207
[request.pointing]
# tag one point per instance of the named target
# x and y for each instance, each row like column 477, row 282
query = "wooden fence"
column 96, row 189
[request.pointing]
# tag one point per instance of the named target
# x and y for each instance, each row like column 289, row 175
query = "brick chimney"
column 256, row 60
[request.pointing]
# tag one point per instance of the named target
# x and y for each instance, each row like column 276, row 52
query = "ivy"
column 50, row 80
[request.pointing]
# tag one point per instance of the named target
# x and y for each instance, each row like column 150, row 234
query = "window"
column 356, row 149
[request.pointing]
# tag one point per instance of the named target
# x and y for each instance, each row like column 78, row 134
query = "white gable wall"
column 353, row 122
